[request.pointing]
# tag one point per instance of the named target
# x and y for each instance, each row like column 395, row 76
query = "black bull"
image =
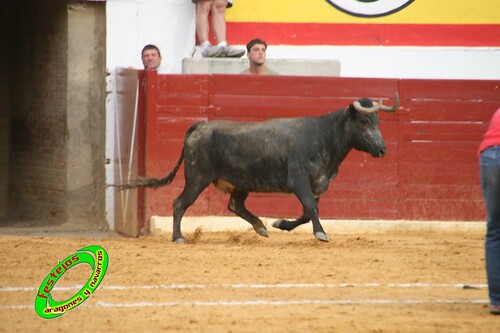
column 297, row 155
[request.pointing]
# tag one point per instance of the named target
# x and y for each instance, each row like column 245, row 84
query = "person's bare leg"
column 218, row 20
column 203, row 8
column 202, row 27
column 219, row 27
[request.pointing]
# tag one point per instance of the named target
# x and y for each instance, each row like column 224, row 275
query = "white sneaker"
column 212, row 51
column 231, row 52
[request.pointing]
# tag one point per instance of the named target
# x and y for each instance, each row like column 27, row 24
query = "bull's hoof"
column 261, row 229
column 263, row 232
column 321, row 236
column 179, row 241
column 281, row 224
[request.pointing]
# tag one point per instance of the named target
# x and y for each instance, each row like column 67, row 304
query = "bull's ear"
column 351, row 111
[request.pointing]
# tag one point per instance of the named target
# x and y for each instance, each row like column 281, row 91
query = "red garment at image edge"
column 492, row 135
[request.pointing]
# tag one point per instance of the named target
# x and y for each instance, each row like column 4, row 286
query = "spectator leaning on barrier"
column 151, row 57
column 218, row 10
column 256, row 53
column 489, row 160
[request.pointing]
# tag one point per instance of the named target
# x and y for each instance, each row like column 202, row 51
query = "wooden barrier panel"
column 440, row 134
column 429, row 172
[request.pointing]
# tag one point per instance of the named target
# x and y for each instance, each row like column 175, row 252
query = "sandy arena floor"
column 391, row 281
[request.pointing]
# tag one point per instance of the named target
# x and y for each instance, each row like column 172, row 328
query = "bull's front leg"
column 301, row 187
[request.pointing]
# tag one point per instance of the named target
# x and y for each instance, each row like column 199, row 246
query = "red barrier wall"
column 430, row 171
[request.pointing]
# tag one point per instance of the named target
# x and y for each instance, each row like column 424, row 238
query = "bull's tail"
column 152, row 182
column 157, row 182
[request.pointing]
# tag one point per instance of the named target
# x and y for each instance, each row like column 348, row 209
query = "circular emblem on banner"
column 95, row 256
column 370, row 8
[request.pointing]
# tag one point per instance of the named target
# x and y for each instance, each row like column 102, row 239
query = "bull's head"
column 366, row 133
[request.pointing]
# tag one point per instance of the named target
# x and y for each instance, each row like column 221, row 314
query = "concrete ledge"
column 296, row 67
column 162, row 224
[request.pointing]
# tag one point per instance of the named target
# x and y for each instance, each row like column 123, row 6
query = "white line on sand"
column 263, row 286
column 258, row 302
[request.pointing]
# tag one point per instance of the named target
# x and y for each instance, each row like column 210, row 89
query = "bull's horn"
column 391, row 108
column 358, row 107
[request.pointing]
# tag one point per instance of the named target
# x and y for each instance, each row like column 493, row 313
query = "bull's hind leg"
column 237, row 206
column 290, row 225
column 191, row 191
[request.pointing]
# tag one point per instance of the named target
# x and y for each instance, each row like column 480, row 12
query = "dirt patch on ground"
column 393, row 281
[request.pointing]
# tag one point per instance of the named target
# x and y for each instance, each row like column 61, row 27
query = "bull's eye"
column 365, row 122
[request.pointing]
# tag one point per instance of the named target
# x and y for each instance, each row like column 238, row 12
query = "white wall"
column 401, row 62
column 131, row 24
column 170, row 24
